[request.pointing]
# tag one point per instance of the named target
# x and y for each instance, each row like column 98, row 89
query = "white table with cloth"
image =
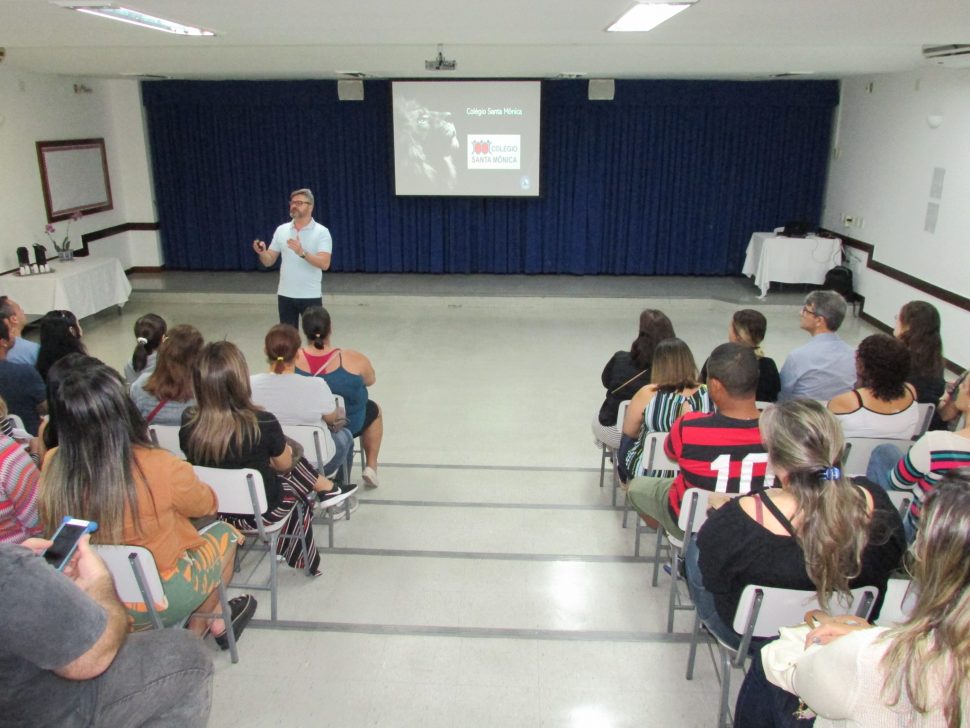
column 83, row 286
column 772, row 257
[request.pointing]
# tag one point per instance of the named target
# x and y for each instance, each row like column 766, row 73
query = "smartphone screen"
column 65, row 541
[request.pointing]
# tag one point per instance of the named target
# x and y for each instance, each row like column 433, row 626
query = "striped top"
column 659, row 416
column 716, row 453
column 18, row 493
column 925, row 464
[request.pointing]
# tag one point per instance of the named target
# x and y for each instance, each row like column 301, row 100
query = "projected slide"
column 466, row 138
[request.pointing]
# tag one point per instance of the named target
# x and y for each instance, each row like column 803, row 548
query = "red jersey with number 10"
column 716, row 453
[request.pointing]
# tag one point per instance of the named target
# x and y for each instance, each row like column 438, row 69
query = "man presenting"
column 305, row 246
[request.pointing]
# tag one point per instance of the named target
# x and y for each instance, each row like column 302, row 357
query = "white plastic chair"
column 655, row 461
column 926, row 410
column 241, row 492
column 137, row 582
column 609, row 453
column 319, row 448
column 858, row 450
column 167, row 437
column 761, row 612
column 898, row 603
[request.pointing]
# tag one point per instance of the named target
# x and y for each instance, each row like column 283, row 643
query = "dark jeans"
column 290, row 309
column 704, row 600
column 762, row 704
column 159, row 678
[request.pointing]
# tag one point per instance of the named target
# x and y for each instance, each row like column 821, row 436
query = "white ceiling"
column 495, row 38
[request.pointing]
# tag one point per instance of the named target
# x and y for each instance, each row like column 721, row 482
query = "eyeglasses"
column 810, row 312
column 299, row 202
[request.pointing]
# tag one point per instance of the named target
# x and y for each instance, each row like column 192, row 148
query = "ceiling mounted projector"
column 440, row 63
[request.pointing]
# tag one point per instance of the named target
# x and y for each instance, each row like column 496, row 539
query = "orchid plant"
column 65, row 244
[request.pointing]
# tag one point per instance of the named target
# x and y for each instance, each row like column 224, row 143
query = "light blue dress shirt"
column 821, row 369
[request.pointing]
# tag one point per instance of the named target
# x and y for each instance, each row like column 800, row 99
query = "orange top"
column 169, row 495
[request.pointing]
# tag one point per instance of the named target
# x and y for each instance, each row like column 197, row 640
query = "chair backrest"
column 317, row 442
column 124, row 563
column 926, row 411
column 656, row 459
column 902, row 499
column 762, row 610
column 167, row 437
column 693, row 509
column 858, row 450
column 239, row 491
column 621, row 414
column 898, row 603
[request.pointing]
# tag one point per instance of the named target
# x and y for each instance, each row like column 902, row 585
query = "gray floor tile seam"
column 501, row 505
column 488, row 555
column 503, row 468
column 560, row 635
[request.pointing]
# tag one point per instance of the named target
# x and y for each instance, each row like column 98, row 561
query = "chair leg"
column 656, row 555
column 692, row 655
column 602, row 465
column 616, row 485
column 626, row 507
column 272, row 576
column 722, row 715
column 674, row 586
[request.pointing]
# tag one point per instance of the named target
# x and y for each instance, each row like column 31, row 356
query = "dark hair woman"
column 105, row 469
column 882, row 404
column 348, row 373
column 627, row 371
column 60, row 335
column 149, row 333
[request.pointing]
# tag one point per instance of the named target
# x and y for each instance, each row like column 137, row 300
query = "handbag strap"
column 156, row 410
column 628, row 381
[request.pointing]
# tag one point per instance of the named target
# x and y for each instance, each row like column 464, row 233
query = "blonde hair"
column 225, row 416
column 805, row 441
column 930, row 653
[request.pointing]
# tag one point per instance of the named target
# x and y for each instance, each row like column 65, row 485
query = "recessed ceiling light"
column 647, row 16
column 133, row 17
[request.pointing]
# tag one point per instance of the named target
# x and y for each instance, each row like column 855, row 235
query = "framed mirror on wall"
column 74, row 175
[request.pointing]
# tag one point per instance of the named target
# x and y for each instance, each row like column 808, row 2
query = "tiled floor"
column 487, row 582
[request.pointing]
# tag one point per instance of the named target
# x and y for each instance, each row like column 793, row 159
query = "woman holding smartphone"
column 104, row 468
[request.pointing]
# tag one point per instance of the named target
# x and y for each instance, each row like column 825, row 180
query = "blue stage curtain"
column 670, row 178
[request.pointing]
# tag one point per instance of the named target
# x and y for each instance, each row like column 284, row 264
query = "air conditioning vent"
column 953, row 55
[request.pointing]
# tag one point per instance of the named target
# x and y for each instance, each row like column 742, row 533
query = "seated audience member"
column 818, row 531
column 348, row 373
column 23, row 351
column 883, row 405
column 825, row 366
column 850, row 673
column 719, row 452
column 226, row 430
column 297, row 400
column 918, row 327
column 149, row 334
column 67, row 659
column 627, row 371
column 163, row 394
column 748, row 327
column 60, row 335
column 19, row 477
column 104, row 468
column 21, row 387
column 924, row 465
column 673, row 391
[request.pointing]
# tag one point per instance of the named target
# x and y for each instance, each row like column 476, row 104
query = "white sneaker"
column 369, row 477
